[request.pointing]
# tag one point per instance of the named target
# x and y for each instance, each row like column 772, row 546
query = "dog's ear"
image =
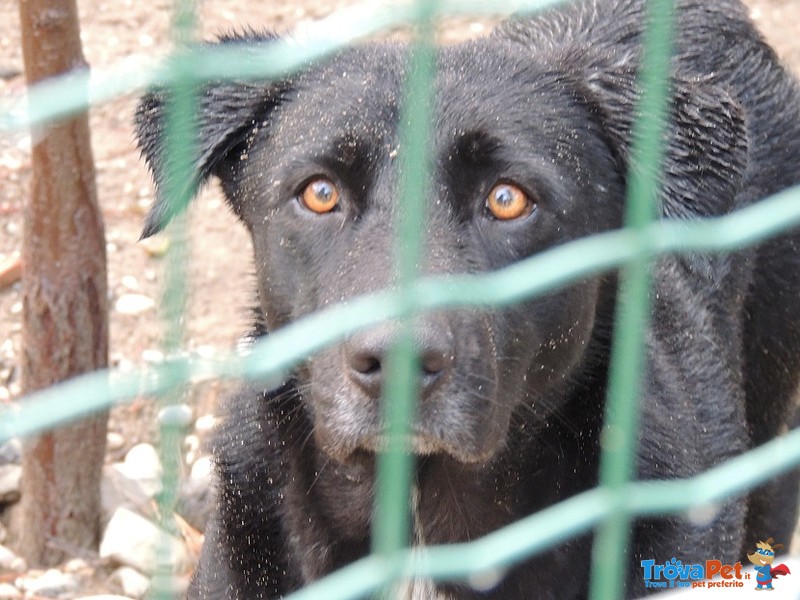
column 226, row 114
column 706, row 145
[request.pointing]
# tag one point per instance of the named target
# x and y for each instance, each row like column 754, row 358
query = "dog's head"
column 527, row 152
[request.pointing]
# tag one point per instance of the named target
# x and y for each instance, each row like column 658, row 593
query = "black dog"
column 530, row 149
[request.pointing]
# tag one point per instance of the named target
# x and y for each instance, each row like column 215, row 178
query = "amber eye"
column 320, row 196
column 507, row 202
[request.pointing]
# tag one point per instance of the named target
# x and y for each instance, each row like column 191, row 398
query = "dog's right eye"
column 507, row 202
column 320, row 196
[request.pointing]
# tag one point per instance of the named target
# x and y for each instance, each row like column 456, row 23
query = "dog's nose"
column 365, row 356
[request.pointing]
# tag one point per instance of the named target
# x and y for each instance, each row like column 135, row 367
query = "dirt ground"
column 220, row 266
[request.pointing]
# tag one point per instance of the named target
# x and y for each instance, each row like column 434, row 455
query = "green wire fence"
column 617, row 500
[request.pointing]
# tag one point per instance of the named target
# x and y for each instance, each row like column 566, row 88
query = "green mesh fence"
column 611, row 506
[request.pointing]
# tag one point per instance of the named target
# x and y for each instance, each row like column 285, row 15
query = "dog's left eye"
column 320, row 196
column 506, row 202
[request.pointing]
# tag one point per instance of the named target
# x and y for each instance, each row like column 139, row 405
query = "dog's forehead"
column 359, row 93
column 356, row 92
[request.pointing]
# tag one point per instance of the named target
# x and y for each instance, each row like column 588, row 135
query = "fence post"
column 65, row 327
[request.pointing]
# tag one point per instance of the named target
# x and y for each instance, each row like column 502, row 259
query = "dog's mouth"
column 417, row 445
column 465, row 434
column 361, row 462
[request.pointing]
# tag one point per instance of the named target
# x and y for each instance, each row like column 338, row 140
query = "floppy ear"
column 227, row 113
column 706, row 151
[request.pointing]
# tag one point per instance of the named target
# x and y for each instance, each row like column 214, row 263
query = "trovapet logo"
column 675, row 574
column 716, row 574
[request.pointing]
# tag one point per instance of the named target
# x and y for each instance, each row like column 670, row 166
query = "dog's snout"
column 366, row 354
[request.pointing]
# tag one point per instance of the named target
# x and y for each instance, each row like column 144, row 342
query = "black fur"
column 512, row 400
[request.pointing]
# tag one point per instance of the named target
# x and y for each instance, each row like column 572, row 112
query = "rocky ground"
column 219, row 283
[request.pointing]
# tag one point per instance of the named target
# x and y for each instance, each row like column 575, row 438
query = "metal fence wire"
column 610, row 507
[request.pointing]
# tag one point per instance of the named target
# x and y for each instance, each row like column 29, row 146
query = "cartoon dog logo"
column 762, row 558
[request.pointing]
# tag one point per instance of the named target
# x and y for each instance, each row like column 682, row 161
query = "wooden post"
column 65, row 313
